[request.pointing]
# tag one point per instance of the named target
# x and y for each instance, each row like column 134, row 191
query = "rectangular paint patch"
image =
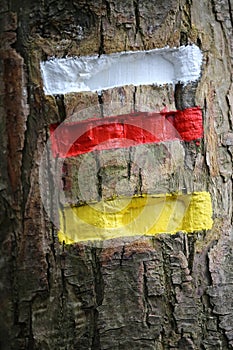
column 145, row 215
column 96, row 73
column 123, row 131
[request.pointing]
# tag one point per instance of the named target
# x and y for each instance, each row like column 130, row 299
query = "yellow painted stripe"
column 144, row 215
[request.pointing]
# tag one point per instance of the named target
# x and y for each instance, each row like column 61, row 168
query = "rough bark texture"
column 167, row 292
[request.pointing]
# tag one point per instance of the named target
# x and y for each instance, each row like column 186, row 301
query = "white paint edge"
column 94, row 73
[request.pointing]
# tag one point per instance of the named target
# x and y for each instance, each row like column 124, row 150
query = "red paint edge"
column 123, row 131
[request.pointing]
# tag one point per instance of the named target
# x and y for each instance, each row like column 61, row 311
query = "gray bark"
column 164, row 292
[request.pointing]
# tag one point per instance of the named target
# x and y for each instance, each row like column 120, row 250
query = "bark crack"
column 101, row 104
column 140, row 180
column 134, row 99
column 99, row 178
column 61, row 106
column 108, row 9
column 129, row 165
column 101, row 45
column 230, row 11
column 145, row 293
column 122, row 255
column 99, row 282
column 191, row 247
column 138, row 29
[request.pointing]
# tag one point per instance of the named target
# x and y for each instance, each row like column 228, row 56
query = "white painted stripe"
column 93, row 73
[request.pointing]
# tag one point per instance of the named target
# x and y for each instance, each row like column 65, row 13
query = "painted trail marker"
column 94, row 73
column 144, row 215
column 135, row 215
column 123, row 131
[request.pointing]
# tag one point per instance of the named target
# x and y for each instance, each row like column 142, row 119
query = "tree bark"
column 161, row 292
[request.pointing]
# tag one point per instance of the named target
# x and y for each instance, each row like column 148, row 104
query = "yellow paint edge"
column 139, row 215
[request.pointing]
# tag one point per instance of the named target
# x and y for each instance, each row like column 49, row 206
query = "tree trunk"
column 167, row 291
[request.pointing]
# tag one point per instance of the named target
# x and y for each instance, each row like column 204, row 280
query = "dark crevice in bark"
column 191, row 245
column 138, row 29
column 52, row 245
column 108, row 10
column 99, row 178
column 134, row 99
column 61, row 106
column 183, row 38
column 145, row 293
column 140, row 181
column 178, row 96
column 125, row 43
column 122, row 255
column 99, row 283
column 139, row 184
column 5, row 214
column 199, row 43
column 129, row 165
column 96, row 336
column 137, row 16
column 205, row 107
column 101, row 104
column 21, row 37
column 230, row 4
column 101, row 45
column 214, row 10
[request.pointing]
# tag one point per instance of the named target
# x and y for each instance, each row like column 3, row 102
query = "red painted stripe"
column 122, row 131
column 188, row 123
